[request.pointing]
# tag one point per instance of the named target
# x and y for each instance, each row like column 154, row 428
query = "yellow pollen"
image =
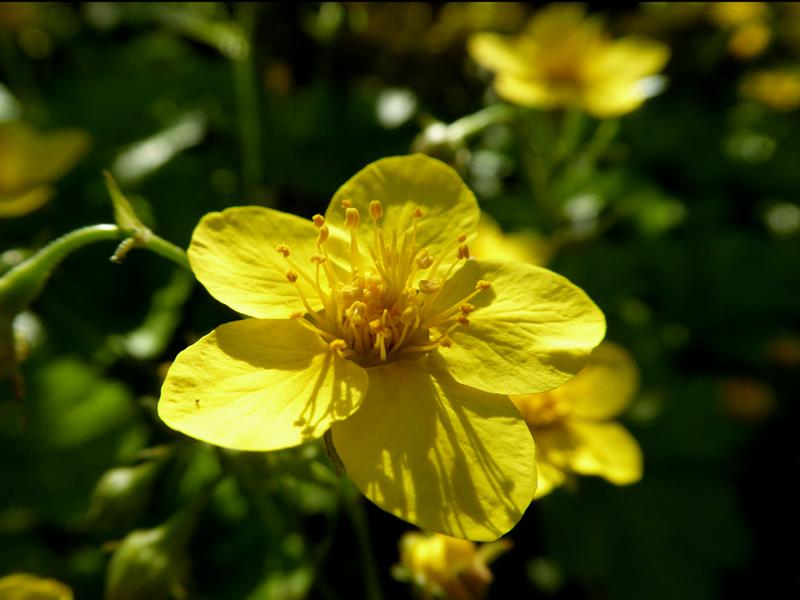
column 324, row 233
column 291, row 276
column 462, row 238
column 429, row 286
column 467, row 308
column 352, row 218
column 318, row 259
column 283, row 250
column 346, row 203
column 483, row 285
column 375, row 210
column 463, row 252
column 463, row 320
column 319, row 220
column 417, row 214
column 445, row 342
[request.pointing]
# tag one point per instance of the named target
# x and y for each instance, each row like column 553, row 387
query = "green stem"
column 20, row 285
column 468, row 126
column 358, row 517
column 247, row 102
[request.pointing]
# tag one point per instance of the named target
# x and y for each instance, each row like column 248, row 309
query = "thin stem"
column 20, row 285
column 247, row 102
column 468, row 126
column 358, row 517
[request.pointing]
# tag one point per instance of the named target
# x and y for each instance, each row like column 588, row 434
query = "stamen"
column 319, row 220
column 283, row 250
column 324, row 234
column 351, row 218
column 291, row 276
column 375, row 210
column 467, row 308
column 463, row 252
column 347, row 203
column 318, row 259
column 299, row 317
column 430, row 286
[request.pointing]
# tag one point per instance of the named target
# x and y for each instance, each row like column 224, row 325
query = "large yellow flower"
column 572, row 425
column 373, row 321
column 31, row 161
column 564, row 58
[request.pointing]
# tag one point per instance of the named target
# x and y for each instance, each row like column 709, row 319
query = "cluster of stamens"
column 385, row 307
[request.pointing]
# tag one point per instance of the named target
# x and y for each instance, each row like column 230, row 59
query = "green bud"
column 122, row 494
column 149, row 563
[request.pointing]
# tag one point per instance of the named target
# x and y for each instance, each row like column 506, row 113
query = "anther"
column 319, row 220
column 296, row 315
column 462, row 238
column 375, row 210
column 429, row 286
column 467, row 308
column 417, row 214
column 463, row 320
column 424, row 260
column 291, row 276
column 483, row 285
column 318, row 259
column 347, row 203
column 283, row 250
column 445, row 342
column 352, row 218
column 463, row 251
column 324, row 233
column 338, row 345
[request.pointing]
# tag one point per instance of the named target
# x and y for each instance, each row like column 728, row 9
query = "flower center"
column 542, row 410
column 385, row 306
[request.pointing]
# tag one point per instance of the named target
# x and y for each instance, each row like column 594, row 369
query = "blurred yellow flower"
column 777, row 88
column 749, row 40
column 445, row 567
column 572, row 425
column 564, row 58
column 734, row 14
column 403, row 346
column 31, row 161
column 24, row 586
column 526, row 246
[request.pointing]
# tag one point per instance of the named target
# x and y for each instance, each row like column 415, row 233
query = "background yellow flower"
column 564, row 59
column 572, row 425
column 31, row 161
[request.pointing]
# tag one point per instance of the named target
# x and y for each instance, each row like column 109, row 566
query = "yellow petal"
column 439, row 454
column 24, row 586
column 403, row 183
column 233, row 255
column 604, row 449
column 497, row 53
column 531, row 332
column 27, row 202
column 529, row 91
column 259, row 385
column 29, row 158
column 605, row 387
column 549, row 475
column 614, row 78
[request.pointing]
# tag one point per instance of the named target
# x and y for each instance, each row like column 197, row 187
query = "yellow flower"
column 526, row 246
column 23, row 586
column 373, row 321
column 571, row 425
column 564, row 58
column 734, row 14
column 30, row 161
column 446, row 567
column 777, row 88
